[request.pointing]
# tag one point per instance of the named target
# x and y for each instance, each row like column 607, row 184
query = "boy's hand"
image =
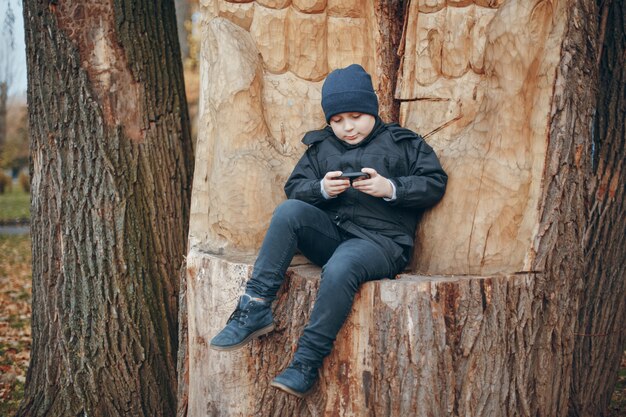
column 376, row 185
column 333, row 185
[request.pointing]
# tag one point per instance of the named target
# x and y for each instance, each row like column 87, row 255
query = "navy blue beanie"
column 349, row 90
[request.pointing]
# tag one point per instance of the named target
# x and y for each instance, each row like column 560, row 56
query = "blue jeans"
column 346, row 261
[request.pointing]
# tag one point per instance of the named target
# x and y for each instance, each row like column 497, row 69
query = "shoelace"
column 305, row 369
column 238, row 315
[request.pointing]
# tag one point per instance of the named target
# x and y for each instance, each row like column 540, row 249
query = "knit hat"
column 349, row 90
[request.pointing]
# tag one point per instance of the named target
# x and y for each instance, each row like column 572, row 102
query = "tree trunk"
column 519, row 307
column 600, row 336
column 110, row 181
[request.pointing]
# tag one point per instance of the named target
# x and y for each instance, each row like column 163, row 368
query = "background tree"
column 7, row 47
column 110, row 181
column 3, row 112
column 14, row 156
column 183, row 14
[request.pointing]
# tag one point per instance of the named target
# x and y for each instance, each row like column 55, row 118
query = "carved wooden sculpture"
column 489, row 327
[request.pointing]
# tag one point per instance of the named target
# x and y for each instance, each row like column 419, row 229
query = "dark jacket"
column 395, row 153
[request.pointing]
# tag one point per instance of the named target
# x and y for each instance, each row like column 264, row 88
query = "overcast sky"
column 18, row 54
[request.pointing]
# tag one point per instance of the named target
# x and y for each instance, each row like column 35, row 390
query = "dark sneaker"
column 297, row 379
column 252, row 318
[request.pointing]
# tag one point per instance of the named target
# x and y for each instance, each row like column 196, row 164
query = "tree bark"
column 110, row 180
column 600, row 336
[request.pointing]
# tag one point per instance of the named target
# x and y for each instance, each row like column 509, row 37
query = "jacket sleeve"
column 304, row 182
column 426, row 183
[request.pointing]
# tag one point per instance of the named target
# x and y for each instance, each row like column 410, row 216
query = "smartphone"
column 353, row 175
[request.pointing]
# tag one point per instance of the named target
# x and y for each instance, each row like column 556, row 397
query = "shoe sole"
column 253, row 335
column 289, row 390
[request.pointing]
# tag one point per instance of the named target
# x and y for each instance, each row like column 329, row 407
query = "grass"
column 14, row 206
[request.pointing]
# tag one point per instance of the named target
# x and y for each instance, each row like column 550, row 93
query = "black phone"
column 353, row 175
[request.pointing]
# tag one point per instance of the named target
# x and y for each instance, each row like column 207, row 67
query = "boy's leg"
column 354, row 262
column 294, row 223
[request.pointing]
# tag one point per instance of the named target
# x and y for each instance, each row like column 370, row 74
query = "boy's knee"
column 290, row 209
column 339, row 274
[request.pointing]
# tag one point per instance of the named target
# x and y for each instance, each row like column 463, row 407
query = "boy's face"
column 352, row 127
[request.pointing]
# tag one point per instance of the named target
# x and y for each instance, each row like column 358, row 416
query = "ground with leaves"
column 618, row 401
column 15, row 337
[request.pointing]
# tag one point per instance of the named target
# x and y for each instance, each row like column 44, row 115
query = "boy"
column 357, row 230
